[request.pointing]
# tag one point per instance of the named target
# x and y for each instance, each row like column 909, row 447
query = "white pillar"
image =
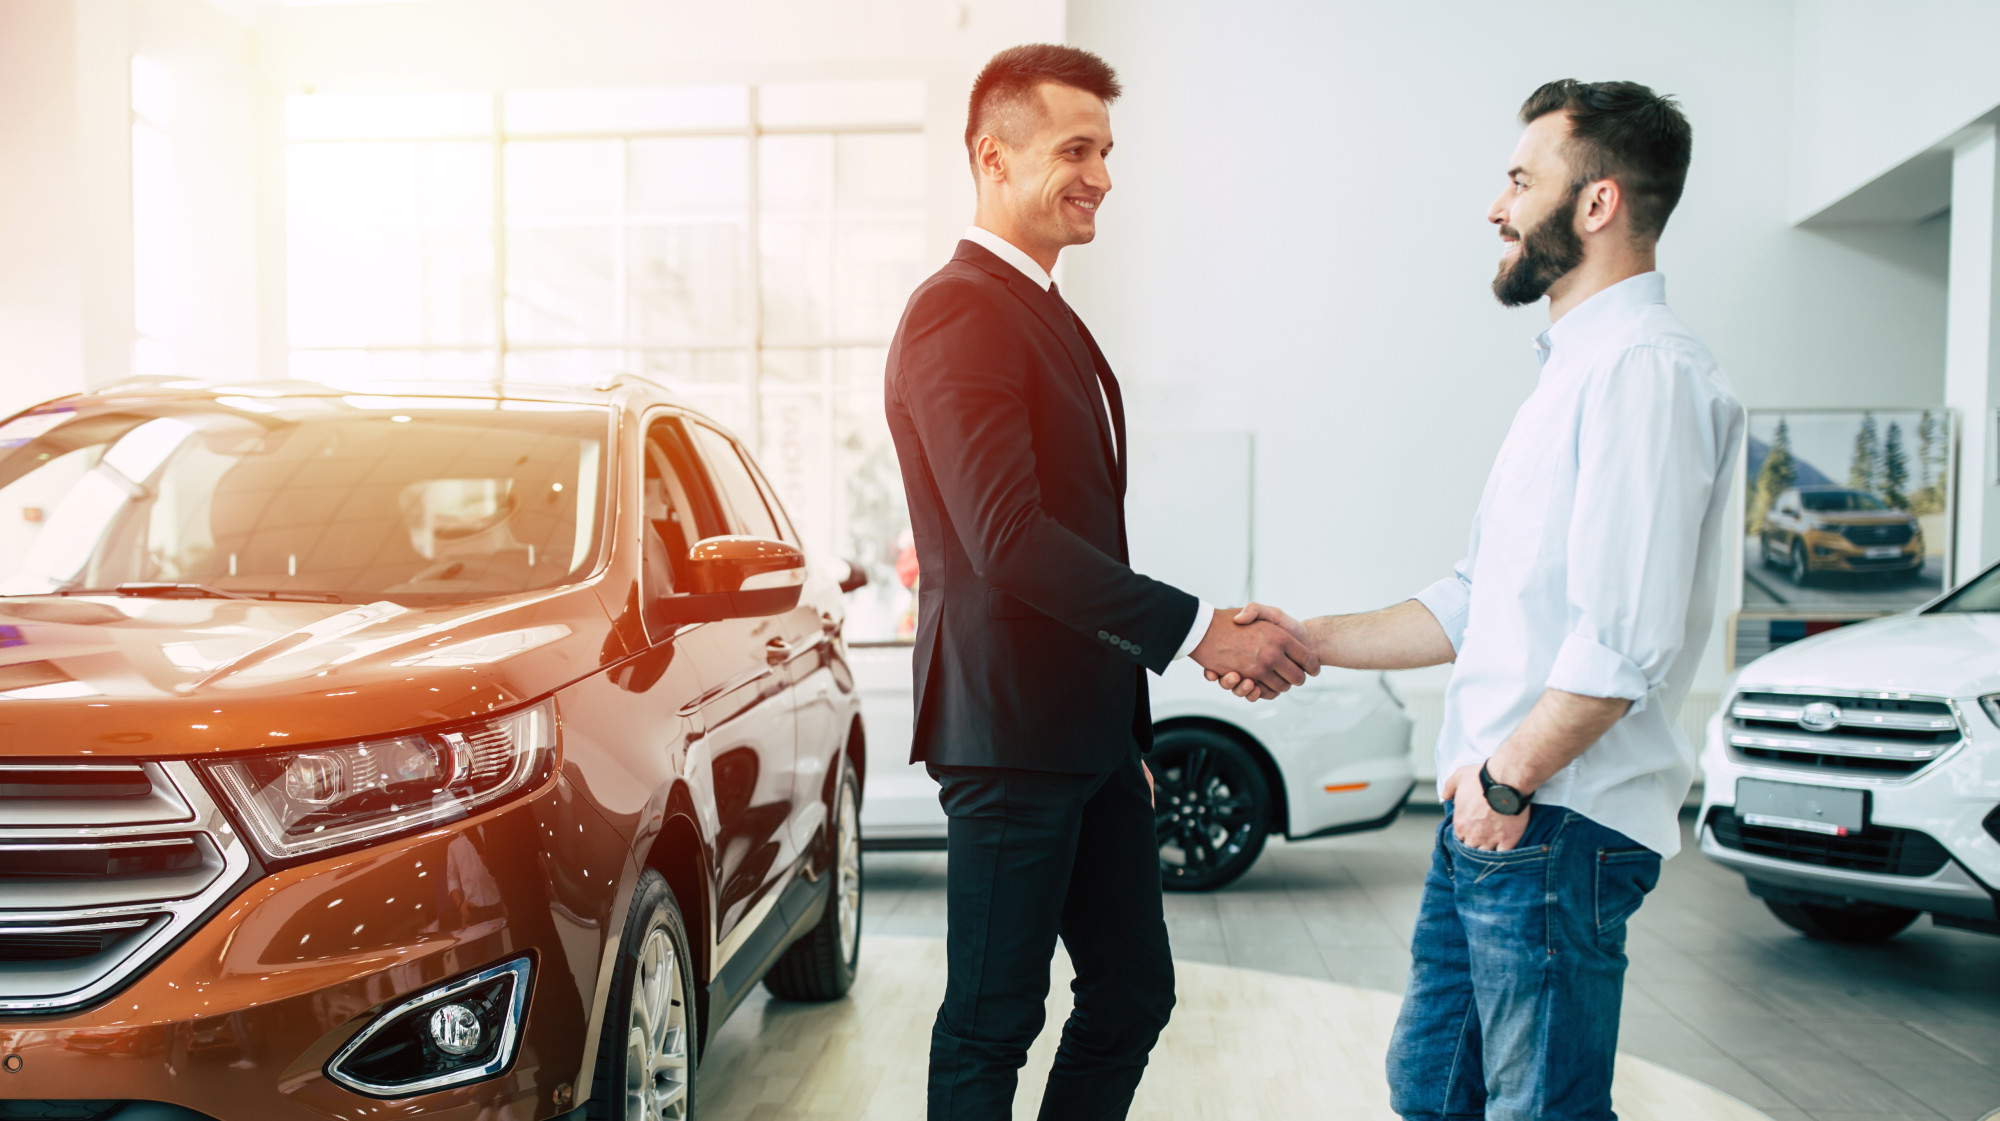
column 1972, row 358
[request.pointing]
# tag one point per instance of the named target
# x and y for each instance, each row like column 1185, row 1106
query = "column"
column 1972, row 360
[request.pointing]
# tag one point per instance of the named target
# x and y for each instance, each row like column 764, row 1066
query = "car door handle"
column 777, row 652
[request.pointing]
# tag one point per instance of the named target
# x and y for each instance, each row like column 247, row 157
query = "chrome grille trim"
column 1910, row 722
column 41, row 987
column 1821, row 745
column 1872, row 743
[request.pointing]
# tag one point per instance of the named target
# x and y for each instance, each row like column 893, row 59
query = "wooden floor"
column 1243, row 1046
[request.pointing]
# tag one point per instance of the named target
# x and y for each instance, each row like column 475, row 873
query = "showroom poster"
column 1846, row 513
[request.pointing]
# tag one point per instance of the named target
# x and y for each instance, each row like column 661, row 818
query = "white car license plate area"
column 1790, row 805
column 1883, row 552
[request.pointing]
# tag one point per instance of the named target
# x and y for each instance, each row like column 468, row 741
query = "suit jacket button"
column 1137, row 649
column 1104, row 634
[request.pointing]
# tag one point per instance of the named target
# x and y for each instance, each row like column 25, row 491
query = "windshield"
column 1837, row 501
column 415, row 500
column 1981, row 593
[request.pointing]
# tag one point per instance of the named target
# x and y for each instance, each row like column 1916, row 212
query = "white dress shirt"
column 1595, row 557
column 1007, row 251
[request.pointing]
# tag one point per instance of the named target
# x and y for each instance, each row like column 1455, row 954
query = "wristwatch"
column 1503, row 798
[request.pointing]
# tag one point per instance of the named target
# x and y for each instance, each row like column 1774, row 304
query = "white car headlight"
column 315, row 800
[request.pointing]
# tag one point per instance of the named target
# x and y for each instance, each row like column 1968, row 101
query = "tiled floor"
column 1718, row 989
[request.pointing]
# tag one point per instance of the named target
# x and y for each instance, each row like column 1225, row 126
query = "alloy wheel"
column 656, row 1046
column 1801, row 570
column 1204, row 814
column 847, row 874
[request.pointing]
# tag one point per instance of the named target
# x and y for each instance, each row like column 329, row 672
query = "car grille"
column 102, row 867
column 1878, row 849
column 1887, row 737
column 1892, row 533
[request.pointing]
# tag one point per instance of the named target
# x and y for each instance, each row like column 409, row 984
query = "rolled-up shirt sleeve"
column 1449, row 599
column 1647, row 460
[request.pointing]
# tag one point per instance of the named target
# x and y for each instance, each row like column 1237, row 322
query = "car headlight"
column 313, row 800
column 1991, row 703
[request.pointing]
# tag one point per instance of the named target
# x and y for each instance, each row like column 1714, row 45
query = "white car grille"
column 1864, row 735
column 102, row 866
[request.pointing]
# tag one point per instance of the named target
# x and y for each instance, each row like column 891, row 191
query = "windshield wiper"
column 195, row 591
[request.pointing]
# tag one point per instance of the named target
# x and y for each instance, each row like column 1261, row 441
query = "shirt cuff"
column 1202, row 614
column 1590, row 669
column 1449, row 600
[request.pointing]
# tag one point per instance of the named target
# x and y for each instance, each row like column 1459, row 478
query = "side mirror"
column 855, row 578
column 757, row 576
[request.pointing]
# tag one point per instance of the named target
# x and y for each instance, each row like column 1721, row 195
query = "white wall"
column 65, row 200
column 1876, row 84
column 1296, row 244
column 41, row 340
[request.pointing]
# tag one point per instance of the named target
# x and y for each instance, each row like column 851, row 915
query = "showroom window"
column 750, row 247
column 157, row 266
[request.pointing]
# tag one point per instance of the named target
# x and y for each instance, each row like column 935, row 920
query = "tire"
column 1856, row 922
column 1801, row 570
column 1764, row 551
column 646, row 1056
column 1212, row 808
column 821, row 965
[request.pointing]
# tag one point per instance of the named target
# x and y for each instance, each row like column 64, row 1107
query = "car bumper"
column 1949, row 802
column 1836, row 554
column 239, row 1020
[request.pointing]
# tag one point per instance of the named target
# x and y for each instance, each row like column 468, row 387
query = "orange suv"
column 1811, row 530
column 408, row 749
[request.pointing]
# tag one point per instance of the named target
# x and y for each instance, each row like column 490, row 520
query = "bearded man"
column 1575, row 622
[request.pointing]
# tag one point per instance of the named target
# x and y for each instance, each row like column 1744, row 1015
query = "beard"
column 1549, row 252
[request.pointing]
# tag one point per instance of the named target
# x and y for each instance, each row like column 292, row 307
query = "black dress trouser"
column 1034, row 855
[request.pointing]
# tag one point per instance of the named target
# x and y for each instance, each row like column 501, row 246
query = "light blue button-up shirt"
column 1595, row 557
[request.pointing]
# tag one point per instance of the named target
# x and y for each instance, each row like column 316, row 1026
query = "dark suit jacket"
column 1033, row 632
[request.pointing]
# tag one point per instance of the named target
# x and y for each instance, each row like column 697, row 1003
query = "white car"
column 1332, row 756
column 1854, row 777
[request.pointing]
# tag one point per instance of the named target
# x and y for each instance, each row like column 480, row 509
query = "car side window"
column 748, row 514
column 679, row 510
column 786, row 531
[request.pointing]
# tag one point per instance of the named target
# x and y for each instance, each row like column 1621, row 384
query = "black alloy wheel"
column 1211, row 808
column 1855, row 922
column 1801, row 570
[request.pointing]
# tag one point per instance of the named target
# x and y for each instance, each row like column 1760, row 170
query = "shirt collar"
column 1005, row 250
column 1594, row 316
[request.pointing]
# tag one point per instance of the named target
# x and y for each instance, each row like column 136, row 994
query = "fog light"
column 462, row 1031
column 455, row 1030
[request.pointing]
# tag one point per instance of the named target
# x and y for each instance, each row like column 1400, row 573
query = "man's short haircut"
column 1009, row 80
column 1624, row 132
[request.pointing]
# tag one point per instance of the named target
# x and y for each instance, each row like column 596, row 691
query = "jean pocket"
column 1482, row 863
column 1624, row 877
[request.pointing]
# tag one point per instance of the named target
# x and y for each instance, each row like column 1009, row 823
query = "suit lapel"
column 1057, row 318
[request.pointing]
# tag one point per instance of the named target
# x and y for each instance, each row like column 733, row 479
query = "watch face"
column 1503, row 799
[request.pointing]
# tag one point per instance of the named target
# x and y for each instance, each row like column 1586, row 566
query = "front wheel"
column 1801, row 569
column 1855, row 922
column 821, row 965
column 1212, row 808
column 645, row 1060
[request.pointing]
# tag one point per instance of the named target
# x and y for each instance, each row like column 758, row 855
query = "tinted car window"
column 416, row 500
column 1837, row 501
column 732, row 479
column 679, row 508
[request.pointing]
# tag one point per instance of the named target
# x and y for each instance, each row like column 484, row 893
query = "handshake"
column 1257, row 652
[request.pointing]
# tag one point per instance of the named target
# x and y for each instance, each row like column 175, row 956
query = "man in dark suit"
column 1034, row 635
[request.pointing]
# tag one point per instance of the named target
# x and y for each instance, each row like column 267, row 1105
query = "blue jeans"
column 1519, row 967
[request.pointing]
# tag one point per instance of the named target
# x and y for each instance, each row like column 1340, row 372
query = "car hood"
column 1944, row 654
column 162, row 678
